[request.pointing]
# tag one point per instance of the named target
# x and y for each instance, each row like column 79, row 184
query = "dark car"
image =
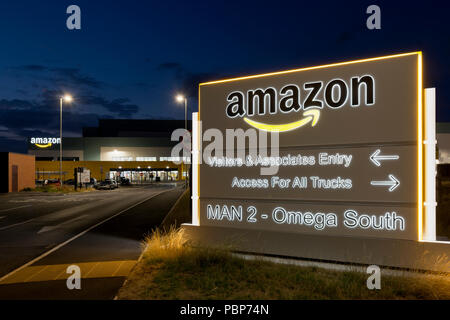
column 125, row 182
column 70, row 182
column 52, row 182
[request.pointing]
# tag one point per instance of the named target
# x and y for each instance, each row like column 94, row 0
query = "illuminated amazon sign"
column 355, row 168
column 44, row 143
column 334, row 94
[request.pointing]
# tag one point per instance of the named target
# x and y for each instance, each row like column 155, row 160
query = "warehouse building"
column 17, row 172
column 139, row 150
column 443, row 141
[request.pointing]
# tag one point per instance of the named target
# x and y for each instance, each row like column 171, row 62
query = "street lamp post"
column 180, row 99
column 66, row 98
column 185, row 114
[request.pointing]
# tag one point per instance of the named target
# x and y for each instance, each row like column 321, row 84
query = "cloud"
column 15, row 104
column 176, row 67
column 187, row 81
column 39, row 119
column 69, row 76
column 35, row 109
column 32, row 67
column 190, row 82
column 23, row 118
column 120, row 106
column 75, row 76
column 34, row 115
column 16, row 124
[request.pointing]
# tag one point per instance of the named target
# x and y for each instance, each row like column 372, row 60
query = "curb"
column 173, row 207
column 145, row 248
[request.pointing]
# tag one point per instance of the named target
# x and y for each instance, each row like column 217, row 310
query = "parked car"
column 113, row 183
column 124, row 181
column 52, row 182
column 106, row 185
column 69, row 182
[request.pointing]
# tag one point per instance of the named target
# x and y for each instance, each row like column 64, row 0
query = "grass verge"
column 172, row 269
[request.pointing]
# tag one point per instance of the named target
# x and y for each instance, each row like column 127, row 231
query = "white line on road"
column 76, row 237
column 16, row 224
column 10, row 209
column 51, row 228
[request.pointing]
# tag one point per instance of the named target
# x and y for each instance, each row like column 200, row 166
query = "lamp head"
column 180, row 98
column 67, row 98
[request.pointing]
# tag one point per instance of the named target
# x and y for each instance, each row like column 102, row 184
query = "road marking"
column 10, row 209
column 63, row 271
column 16, row 224
column 89, row 270
column 118, row 268
column 29, row 263
column 51, row 228
column 35, row 274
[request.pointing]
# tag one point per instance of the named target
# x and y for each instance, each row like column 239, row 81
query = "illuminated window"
column 185, row 159
column 146, row 159
column 122, row 158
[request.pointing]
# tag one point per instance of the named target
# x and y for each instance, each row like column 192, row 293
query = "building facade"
column 17, row 172
column 139, row 150
column 443, row 141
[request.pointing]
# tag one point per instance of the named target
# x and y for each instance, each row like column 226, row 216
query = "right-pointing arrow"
column 393, row 183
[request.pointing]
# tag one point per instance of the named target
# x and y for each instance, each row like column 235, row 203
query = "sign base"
column 394, row 253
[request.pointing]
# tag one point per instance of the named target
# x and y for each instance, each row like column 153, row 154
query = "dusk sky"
column 131, row 57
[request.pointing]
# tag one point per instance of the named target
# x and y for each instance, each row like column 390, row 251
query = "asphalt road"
column 100, row 231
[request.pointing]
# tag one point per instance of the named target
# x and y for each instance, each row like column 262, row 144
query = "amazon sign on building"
column 351, row 157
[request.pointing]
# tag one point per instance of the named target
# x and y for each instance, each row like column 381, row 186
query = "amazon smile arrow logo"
column 309, row 116
column 43, row 145
column 309, row 97
column 44, row 142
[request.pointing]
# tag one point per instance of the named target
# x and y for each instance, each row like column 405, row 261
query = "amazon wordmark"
column 334, row 94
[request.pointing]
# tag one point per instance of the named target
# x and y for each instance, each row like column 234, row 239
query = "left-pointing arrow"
column 376, row 157
column 393, row 183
